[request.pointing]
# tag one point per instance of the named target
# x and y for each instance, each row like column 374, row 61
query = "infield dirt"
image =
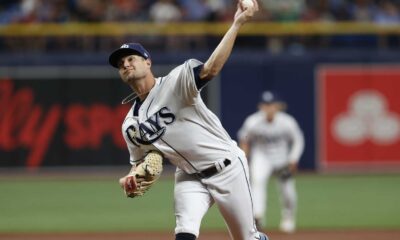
column 300, row 235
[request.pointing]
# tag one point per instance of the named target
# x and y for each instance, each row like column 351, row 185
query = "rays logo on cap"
column 125, row 46
column 268, row 97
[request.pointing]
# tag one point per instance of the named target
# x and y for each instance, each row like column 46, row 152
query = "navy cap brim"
column 120, row 53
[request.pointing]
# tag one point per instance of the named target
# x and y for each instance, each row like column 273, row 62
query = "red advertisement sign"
column 358, row 115
column 61, row 123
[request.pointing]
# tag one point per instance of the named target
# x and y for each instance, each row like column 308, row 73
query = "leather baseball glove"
column 143, row 176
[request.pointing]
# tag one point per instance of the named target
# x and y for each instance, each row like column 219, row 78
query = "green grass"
column 325, row 202
column 349, row 201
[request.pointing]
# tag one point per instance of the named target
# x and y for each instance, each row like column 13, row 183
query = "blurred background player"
column 273, row 143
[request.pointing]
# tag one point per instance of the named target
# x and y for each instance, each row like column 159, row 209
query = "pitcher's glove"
column 141, row 178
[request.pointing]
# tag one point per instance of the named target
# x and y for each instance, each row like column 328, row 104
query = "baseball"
column 247, row 4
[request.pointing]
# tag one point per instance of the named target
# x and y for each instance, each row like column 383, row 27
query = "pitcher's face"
column 133, row 67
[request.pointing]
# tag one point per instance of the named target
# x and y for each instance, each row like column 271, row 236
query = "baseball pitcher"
column 169, row 120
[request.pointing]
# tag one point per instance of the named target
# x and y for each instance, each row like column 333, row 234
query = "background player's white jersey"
column 173, row 109
column 277, row 142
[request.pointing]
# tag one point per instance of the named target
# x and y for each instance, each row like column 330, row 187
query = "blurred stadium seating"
column 97, row 25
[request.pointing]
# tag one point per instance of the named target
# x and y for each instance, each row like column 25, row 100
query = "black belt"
column 206, row 173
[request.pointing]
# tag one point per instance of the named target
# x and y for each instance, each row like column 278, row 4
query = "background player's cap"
column 127, row 49
column 270, row 97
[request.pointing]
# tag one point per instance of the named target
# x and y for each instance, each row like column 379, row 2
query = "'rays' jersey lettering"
column 268, row 139
column 152, row 129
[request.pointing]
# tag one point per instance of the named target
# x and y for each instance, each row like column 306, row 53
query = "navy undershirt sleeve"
column 200, row 83
column 136, row 107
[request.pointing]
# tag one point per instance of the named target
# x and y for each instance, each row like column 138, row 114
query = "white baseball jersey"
column 278, row 141
column 174, row 119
